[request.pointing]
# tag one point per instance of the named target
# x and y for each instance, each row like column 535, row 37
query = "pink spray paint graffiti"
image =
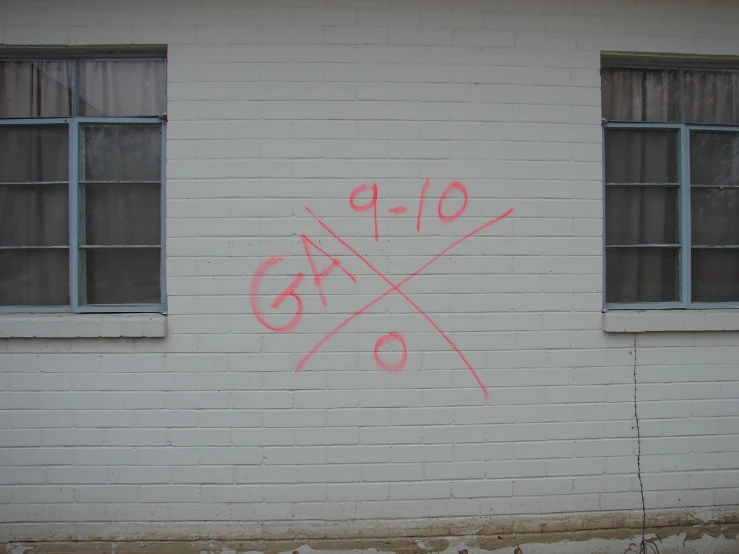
column 394, row 287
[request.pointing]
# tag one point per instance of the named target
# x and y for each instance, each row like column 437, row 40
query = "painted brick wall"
column 275, row 106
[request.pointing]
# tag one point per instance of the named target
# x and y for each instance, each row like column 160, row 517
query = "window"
column 81, row 183
column 671, row 145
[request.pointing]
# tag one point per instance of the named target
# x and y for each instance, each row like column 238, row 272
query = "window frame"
column 73, row 124
column 684, row 185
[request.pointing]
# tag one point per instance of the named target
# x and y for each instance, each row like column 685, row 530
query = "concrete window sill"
column 645, row 321
column 69, row 326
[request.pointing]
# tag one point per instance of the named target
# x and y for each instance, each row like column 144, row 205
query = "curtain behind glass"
column 120, row 170
column 641, row 215
column 36, row 89
column 640, row 94
column 34, row 215
column 34, row 212
column 122, row 88
column 34, row 201
column 712, row 97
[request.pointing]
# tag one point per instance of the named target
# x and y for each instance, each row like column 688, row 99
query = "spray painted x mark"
column 395, row 287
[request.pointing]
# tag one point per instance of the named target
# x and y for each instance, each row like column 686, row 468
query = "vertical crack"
column 638, row 452
column 645, row 546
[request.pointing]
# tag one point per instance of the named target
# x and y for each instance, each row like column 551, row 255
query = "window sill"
column 645, row 321
column 66, row 326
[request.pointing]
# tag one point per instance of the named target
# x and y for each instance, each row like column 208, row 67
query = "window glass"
column 712, row 97
column 644, row 188
column 641, row 215
column 715, row 216
column 641, row 275
column 34, row 154
column 120, row 153
column 120, row 192
column 34, row 277
column 122, row 276
column 641, row 156
column 117, row 182
column 122, row 87
column 34, row 215
column 122, row 214
column 715, row 275
column 640, row 94
column 36, row 88
column 714, row 173
column 714, row 158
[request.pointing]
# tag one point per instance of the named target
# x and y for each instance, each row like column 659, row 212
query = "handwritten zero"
column 291, row 290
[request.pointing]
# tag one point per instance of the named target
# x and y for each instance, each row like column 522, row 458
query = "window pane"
column 122, row 87
column 712, row 97
column 640, row 94
column 715, row 216
column 36, row 88
column 715, row 275
column 641, row 215
column 641, row 275
column 122, row 275
column 34, row 277
column 714, row 158
column 641, row 156
column 34, row 215
column 32, row 154
column 122, row 214
column 121, row 153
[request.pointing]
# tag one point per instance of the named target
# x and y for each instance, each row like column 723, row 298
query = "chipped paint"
column 679, row 531
column 676, row 544
column 18, row 548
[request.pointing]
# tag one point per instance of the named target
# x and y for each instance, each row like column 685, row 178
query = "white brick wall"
column 278, row 105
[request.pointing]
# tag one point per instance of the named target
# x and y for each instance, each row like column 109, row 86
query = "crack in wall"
column 645, row 543
column 638, row 444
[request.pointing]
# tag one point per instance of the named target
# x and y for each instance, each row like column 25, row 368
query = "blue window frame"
column 671, row 184
column 82, row 181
